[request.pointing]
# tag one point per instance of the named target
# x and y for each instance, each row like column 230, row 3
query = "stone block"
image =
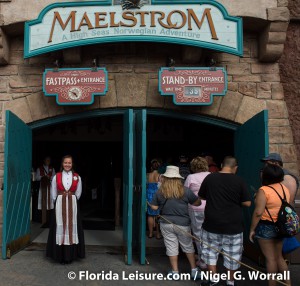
column 280, row 135
column 277, row 91
column 248, row 88
column 269, row 52
column 277, row 109
column 282, row 3
column 9, row 70
column 279, row 122
column 249, row 107
column 233, row 86
column 264, row 94
column 191, row 55
column 273, row 148
column 4, row 48
column 3, row 84
column 119, row 68
column 35, row 80
column 19, row 94
column 28, row 70
column 19, row 107
column 37, row 105
column 18, row 81
column 228, row 58
column 213, row 109
column 265, row 68
column 230, row 105
column 17, row 58
column 2, row 134
column 278, row 14
column 264, row 90
column 146, row 69
column 52, row 107
column 131, row 89
column 277, row 37
column 288, row 153
column 154, row 98
column 270, row 77
column 246, row 78
column 5, row 97
column 238, row 69
column 264, row 86
column 72, row 56
column 110, row 99
column 278, row 26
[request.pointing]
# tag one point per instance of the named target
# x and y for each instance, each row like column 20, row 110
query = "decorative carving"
column 4, row 48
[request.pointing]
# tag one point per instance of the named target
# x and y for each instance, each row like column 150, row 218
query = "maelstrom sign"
column 197, row 23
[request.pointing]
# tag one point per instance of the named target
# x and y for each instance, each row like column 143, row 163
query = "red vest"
column 60, row 186
column 43, row 172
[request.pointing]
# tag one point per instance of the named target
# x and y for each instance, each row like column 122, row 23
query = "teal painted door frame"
column 128, row 145
column 139, row 206
column 17, row 185
column 251, row 144
column 134, row 165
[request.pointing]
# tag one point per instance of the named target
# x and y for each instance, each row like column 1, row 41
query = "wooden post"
column 117, row 185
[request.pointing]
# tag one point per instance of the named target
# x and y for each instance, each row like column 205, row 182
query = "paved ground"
column 31, row 267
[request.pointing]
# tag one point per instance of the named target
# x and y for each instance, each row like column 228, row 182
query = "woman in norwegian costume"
column 66, row 237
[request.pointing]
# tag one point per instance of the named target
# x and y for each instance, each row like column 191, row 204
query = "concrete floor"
column 101, row 238
column 104, row 256
column 31, row 267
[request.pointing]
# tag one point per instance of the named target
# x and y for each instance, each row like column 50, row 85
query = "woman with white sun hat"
column 172, row 199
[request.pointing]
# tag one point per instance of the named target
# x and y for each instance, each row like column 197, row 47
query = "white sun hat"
column 172, row 172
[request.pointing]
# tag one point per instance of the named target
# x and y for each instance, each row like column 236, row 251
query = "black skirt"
column 65, row 253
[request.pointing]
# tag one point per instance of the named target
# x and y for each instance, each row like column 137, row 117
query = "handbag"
column 290, row 244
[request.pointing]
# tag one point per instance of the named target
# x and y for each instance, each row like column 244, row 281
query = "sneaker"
column 201, row 264
column 196, row 274
column 173, row 275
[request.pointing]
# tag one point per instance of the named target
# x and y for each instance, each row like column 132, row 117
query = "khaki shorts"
column 174, row 235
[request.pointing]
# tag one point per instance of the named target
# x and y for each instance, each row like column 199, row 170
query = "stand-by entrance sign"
column 75, row 86
column 192, row 86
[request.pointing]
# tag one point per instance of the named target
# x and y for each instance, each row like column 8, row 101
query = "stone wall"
column 290, row 72
column 133, row 82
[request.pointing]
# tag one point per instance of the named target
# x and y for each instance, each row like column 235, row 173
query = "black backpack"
column 287, row 224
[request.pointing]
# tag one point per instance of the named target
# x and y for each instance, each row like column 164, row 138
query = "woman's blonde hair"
column 172, row 188
column 198, row 165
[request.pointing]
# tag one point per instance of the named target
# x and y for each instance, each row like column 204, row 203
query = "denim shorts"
column 266, row 231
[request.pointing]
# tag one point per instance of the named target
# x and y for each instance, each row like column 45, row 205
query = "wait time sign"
column 192, row 86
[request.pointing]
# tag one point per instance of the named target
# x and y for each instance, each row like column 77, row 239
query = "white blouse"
column 38, row 172
column 67, row 178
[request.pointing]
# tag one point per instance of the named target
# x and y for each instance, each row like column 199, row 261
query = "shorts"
column 174, row 235
column 197, row 218
column 266, row 231
column 231, row 244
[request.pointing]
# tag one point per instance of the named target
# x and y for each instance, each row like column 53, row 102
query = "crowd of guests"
column 198, row 200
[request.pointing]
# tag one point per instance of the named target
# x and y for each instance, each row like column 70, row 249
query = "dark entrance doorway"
column 168, row 138
column 96, row 145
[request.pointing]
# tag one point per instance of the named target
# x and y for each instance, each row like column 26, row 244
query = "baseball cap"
column 272, row 157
